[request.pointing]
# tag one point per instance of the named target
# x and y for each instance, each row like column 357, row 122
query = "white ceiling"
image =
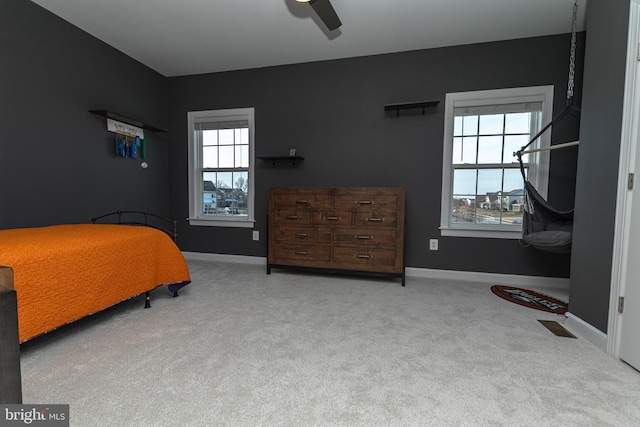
column 200, row 36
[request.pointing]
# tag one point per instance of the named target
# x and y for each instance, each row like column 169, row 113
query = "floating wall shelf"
column 275, row 159
column 124, row 119
column 411, row 105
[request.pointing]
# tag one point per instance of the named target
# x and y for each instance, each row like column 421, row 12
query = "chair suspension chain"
column 572, row 58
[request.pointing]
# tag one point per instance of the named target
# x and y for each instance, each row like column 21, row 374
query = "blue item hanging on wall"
column 134, row 148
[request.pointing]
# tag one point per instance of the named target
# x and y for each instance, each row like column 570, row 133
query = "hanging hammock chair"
column 543, row 226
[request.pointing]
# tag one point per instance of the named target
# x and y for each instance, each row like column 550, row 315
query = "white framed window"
column 221, row 167
column 482, row 185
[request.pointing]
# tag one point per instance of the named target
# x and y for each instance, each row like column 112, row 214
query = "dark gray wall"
column 56, row 159
column 57, row 166
column 332, row 112
column 597, row 179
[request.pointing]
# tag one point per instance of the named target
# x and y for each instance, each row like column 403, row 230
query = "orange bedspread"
column 65, row 272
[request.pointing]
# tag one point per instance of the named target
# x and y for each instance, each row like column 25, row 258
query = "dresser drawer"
column 287, row 233
column 292, row 217
column 358, row 257
column 365, row 236
column 302, row 201
column 286, row 251
column 332, row 218
column 376, row 219
column 366, row 201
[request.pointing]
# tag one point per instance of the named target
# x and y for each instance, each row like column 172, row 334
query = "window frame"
column 538, row 173
column 197, row 216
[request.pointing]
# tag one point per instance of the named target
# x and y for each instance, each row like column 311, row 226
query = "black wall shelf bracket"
column 410, row 105
column 124, row 119
column 275, row 159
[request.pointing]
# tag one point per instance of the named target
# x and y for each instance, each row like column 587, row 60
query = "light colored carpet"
column 243, row 348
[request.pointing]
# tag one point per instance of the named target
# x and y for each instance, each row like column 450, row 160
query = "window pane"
column 514, row 214
column 491, row 124
column 225, row 136
column 483, row 201
column 210, row 157
column 463, row 209
column 242, row 136
column 240, row 180
column 489, row 181
column 242, row 156
column 209, row 193
column 468, row 150
column 209, row 179
column 457, row 151
column 490, row 149
column 457, row 126
column 464, row 181
column 513, row 180
column 225, row 180
column 513, row 143
column 513, row 197
column 209, row 137
column 489, row 215
column 470, row 125
column 517, row 123
column 226, row 156
column 464, row 150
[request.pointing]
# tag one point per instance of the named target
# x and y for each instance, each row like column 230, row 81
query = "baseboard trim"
column 241, row 259
column 588, row 332
column 425, row 273
column 494, row 278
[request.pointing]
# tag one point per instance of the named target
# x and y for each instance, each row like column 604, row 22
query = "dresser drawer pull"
column 375, row 219
column 365, row 202
column 302, row 234
column 364, row 256
column 303, row 202
column 332, row 218
column 292, row 217
column 301, row 252
column 363, row 237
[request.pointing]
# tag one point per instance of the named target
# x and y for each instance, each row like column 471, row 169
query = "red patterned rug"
column 530, row 299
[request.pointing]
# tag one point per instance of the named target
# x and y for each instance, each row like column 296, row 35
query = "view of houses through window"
column 225, row 162
column 220, row 199
column 487, row 183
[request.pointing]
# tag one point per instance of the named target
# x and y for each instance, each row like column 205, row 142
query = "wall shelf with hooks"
column 275, row 159
column 411, row 105
column 124, row 119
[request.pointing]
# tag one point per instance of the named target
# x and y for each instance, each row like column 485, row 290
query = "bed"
column 65, row 272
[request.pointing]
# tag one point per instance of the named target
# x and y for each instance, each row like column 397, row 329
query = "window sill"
column 483, row 234
column 244, row 223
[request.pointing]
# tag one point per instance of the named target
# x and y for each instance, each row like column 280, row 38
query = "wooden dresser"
column 345, row 229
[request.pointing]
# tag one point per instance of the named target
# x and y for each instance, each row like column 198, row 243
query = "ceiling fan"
column 325, row 12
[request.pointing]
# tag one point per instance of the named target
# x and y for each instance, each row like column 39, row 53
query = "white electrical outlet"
column 256, row 235
column 433, row 244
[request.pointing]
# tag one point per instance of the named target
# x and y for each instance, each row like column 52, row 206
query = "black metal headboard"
column 140, row 218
